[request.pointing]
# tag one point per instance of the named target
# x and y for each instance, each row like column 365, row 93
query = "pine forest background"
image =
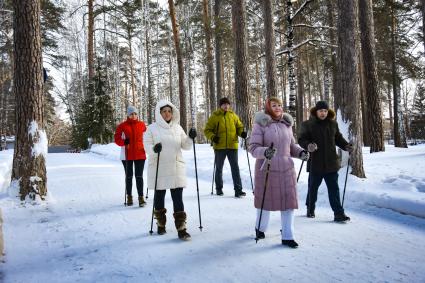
column 365, row 57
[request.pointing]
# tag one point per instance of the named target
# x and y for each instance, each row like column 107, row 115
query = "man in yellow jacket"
column 223, row 129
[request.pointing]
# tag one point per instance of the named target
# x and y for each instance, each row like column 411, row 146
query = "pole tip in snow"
column 150, row 232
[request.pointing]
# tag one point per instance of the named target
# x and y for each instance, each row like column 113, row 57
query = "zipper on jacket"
column 225, row 126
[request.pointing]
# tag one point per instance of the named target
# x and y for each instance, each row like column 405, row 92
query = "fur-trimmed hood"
column 264, row 119
column 331, row 113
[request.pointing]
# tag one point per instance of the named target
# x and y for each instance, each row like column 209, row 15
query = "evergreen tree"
column 95, row 115
column 417, row 125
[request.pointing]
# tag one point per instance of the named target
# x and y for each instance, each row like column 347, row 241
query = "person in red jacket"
column 129, row 135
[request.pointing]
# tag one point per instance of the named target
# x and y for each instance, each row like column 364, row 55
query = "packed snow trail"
column 83, row 233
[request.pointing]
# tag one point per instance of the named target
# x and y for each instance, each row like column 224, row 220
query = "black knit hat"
column 224, row 100
column 322, row 105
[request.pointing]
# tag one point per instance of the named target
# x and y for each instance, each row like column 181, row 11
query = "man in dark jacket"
column 319, row 135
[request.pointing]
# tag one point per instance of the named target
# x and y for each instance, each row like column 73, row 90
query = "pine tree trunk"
column 399, row 130
column 182, row 95
column 423, row 21
column 150, row 104
column 29, row 167
column 332, row 37
column 267, row 6
column 348, row 80
column 210, row 66
column 133, row 84
column 90, row 39
column 241, row 70
column 218, row 65
column 373, row 101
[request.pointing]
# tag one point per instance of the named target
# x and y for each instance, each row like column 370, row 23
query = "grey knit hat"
column 131, row 109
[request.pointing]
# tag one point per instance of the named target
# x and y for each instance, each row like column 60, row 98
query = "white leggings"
column 287, row 222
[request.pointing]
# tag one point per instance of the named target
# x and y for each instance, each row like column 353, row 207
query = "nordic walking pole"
column 345, row 184
column 147, row 192
column 126, row 170
column 299, row 172
column 264, row 196
column 197, row 186
column 156, row 182
column 215, row 159
column 212, row 181
column 249, row 165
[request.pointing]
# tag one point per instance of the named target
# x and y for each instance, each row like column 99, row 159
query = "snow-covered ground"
column 83, row 233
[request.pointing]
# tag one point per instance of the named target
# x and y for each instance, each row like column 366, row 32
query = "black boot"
column 259, row 234
column 161, row 219
column 129, row 200
column 180, row 222
column 239, row 193
column 219, row 191
column 290, row 243
column 341, row 218
column 310, row 213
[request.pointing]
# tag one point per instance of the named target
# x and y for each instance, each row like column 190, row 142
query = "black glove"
column 304, row 155
column 215, row 139
column 192, row 133
column 349, row 147
column 157, row 148
column 244, row 135
column 269, row 153
column 127, row 141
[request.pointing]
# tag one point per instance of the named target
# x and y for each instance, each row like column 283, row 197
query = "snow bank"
column 386, row 185
column 6, row 158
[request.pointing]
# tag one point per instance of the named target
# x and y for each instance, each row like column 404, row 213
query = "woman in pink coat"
column 275, row 127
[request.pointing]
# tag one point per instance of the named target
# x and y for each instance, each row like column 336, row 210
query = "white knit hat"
column 131, row 110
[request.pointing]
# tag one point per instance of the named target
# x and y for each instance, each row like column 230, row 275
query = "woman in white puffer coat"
column 167, row 138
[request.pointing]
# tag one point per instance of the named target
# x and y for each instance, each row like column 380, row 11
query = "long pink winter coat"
column 281, row 193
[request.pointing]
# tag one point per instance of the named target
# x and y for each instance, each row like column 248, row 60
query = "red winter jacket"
column 132, row 129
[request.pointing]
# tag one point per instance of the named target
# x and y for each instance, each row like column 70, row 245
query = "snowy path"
column 85, row 234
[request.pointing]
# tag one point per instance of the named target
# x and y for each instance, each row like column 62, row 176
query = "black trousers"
column 331, row 179
column 176, row 196
column 138, row 168
column 220, row 156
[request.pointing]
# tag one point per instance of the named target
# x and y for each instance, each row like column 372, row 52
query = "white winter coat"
column 171, row 170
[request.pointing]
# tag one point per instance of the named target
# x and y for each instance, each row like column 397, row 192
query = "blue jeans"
column 331, row 180
column 220, row 156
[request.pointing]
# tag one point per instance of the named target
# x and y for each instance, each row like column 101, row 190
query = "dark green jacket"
column 326, row 134
column 227, row 126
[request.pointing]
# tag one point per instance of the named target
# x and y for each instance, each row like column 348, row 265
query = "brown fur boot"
column 180, row 221
column 161, row 219
column 129, row 200
column 142, row 201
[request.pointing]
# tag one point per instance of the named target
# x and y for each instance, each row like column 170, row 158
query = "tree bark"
column 90, row 39
column 270, row 47
column 210, row 66
column 348, row 80
column 423, row 21
column 333, row 63
column 241, row 70
column 373, row 101
column 29, row 168
column 218, row 64
column 182, row 95
column 150, row 111
column 300, row 94
column 399, row 130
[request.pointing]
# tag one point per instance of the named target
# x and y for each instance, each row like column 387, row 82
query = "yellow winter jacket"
column 227, row 126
